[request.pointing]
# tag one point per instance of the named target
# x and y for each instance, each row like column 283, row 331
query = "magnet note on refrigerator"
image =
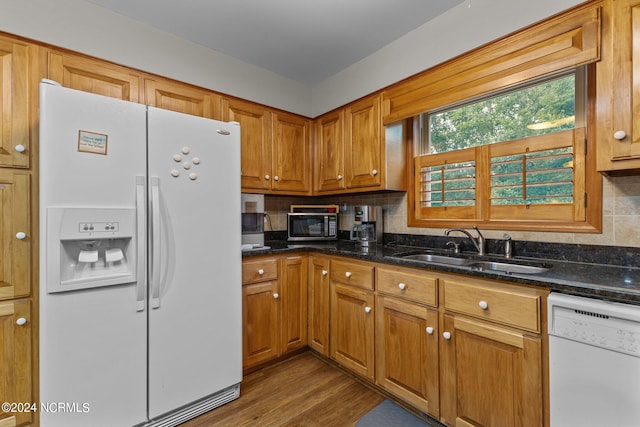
column 92, row 142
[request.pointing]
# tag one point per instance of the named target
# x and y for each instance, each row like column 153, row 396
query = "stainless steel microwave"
column 310, row 226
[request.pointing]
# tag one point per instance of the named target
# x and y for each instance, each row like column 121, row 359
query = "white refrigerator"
column 140, row 262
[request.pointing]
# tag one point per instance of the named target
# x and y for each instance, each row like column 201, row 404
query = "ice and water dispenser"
column 89, row 247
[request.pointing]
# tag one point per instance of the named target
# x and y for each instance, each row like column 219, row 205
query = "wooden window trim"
column 586, row 209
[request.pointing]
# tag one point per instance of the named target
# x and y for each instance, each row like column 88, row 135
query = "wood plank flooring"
column 302, row 391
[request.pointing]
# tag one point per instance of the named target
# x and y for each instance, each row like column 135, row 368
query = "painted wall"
column 84, row 27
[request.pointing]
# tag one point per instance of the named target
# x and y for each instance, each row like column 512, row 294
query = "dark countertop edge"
column 557, row 281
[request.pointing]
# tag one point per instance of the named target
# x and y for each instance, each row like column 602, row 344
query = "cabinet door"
column 625, row 79
column 15, row 232
column 407, row 352
column 490, row 375
column 293, row 300
column 319, row 304
column 260, row 323
column 182, row 98
column 290, row 163
column 329, row 152
column 15, row 354
column 352, row 320
column 255, row 142
column 14, row 105
column 94, row 76
column 364, row 144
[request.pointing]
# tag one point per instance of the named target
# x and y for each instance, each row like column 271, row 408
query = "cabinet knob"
column 347, row 274
column 483, row 305
column 402, row 286
column 339, row 177
column 620, row 135
column 276, row 178
column 276, row 296
column 267, row 177
column 367, row 309
column 260, row 271
column 446, row 335
column 325, row 272
column 20, row 148
column 374, row 172
column 21, row 321
column 21, row 235
column 430, row 330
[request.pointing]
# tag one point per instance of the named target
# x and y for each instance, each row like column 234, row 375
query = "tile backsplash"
column 620, row 215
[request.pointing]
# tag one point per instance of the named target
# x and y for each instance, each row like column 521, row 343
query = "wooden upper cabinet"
column 329, row 152
column 15, row 62
column 618, row 86
column 363, row 152
column 94, row 76
column 15, row 234
column 354, row 152
column 182, row 98
column 255, row 142
column 291, row 164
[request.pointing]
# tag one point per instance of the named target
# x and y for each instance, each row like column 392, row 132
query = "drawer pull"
column 347, row 274
column 21, row 321
column 367, row 309
column 620, row 135
column 402, row 286
column 483, row 305
column 21, row 235
column 260, row 272
column 446, row 335
column 276, row 296
column 430, row 330
column 324, row 272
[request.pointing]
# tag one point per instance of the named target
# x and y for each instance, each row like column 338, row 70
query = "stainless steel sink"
column 508, row 267
column 440, row 259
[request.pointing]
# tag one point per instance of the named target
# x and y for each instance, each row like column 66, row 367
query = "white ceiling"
column 304, row 40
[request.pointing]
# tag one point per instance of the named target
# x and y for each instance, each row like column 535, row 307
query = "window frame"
column 583, row 215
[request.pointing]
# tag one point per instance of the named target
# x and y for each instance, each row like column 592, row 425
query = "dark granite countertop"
column 603, row 281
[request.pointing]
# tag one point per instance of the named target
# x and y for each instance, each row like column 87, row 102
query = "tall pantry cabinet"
column 20, row 72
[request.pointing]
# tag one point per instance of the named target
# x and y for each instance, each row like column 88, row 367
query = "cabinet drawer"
column 259, row 270
column 507, row 305
column 352, row 273
column 410, row 284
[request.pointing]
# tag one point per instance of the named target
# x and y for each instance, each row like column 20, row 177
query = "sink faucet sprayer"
column 478, row 242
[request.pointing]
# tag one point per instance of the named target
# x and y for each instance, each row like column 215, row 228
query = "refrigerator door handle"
column 155, row 242
column 141, row 243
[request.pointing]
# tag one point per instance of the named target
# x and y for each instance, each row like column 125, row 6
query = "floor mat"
column 388, row 414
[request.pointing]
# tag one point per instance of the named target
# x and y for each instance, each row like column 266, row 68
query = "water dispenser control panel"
column 94, row 227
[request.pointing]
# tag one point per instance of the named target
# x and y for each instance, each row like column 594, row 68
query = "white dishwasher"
column 594, row 362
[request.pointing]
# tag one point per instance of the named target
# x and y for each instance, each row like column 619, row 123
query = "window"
column 514, row 158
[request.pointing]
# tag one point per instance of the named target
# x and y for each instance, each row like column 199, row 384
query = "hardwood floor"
column 302, row 391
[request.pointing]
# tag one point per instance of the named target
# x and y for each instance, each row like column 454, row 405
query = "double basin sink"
column 515, row 266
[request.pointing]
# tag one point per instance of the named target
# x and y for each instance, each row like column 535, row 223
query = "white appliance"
column 594, row 362
column 140, row 267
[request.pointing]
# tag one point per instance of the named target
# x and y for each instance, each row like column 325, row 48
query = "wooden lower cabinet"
column 260, row 323
column 490, row 375
column 293, row 300
column 407, row 352
column 318, row 304
column 274, row 308
column 16, row 366
column 352, row 322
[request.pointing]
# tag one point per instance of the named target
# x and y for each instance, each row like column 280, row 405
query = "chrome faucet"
column 478, row 242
